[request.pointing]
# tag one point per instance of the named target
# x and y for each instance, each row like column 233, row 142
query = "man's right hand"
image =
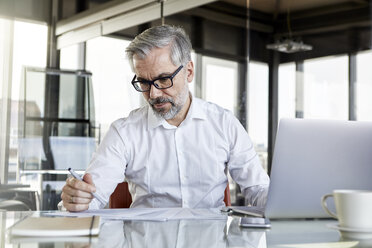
column 76, row 195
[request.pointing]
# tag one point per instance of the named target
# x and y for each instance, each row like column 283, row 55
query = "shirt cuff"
column 61, row 207
column 256, row 195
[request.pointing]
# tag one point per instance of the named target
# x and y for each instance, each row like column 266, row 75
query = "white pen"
column 75, row 175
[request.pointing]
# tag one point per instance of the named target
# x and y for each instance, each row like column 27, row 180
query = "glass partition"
column 56, row 128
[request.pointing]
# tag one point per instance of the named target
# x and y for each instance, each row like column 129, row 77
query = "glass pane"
column 35, row 90
column 326, row 88
column 72, row 93
column 33, row 128
column 364, row 86
column 258, row 108
column 220, row 82
column 73, row 129
column 287, row 91
column 114, row 94
column 30, row 150
column 29, row 49
column 72, row 100
column 34, row 151
column 69, row 57
column 71, row 151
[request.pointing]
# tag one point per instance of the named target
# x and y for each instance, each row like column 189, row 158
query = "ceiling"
column 282, row 6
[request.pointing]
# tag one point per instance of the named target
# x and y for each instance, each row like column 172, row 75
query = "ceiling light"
column 289, row 46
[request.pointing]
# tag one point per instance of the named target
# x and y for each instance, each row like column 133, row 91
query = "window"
column 220, row 82
column 258, row 108
column 192, row 84
column 287, row 91
column 30, row 53
column 326, row 88
column 364, row 86
column 114, row 94
column 69, row 57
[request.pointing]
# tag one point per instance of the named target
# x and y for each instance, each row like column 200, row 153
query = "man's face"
column 166, row 103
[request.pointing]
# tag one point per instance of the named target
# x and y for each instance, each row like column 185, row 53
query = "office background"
column 64, row 76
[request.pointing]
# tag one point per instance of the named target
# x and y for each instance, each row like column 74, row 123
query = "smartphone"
column 254, row 222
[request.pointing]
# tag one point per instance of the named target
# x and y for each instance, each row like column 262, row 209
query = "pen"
column 75, row 175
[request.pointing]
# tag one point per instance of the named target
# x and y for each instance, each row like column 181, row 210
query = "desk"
column 189, row 233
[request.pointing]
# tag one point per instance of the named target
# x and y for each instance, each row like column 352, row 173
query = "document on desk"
column 148, row 214
column 59, row 226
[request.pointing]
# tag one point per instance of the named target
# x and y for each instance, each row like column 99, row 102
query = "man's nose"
column 155, row 92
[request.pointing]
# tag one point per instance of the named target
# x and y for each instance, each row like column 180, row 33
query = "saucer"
column 352, row 233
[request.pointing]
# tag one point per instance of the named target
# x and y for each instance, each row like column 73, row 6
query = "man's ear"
column 190, row 71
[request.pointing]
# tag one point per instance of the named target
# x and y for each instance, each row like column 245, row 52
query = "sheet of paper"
column 342, row 244
column 152, row 214
column 201, row 213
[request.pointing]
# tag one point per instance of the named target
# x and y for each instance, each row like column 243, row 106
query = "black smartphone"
column 254, row 222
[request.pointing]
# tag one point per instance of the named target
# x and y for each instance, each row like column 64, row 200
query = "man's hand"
column 76, row 195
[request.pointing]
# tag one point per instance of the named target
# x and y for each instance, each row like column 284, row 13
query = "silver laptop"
column 313, row 157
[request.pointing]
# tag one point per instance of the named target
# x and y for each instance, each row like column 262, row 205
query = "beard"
column 176, row 104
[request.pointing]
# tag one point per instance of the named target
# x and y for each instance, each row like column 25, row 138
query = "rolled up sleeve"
column 108, row 166
column 244, row 165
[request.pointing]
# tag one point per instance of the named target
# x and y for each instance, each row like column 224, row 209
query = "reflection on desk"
column 181, row 233
column 192, row 233
column 138, row 234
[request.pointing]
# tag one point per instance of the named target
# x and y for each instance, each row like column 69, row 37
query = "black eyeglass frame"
column 152, row 82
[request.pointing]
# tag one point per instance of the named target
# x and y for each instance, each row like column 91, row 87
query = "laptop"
column 314, row 157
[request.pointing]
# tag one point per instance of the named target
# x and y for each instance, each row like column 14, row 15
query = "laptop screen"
column 314, row 157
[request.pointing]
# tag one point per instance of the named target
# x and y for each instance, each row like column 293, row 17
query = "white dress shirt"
column 184, row 166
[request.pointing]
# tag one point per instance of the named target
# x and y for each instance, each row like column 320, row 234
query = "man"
column 176, row 151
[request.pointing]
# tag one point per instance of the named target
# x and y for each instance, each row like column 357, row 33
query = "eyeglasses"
column 160, row 83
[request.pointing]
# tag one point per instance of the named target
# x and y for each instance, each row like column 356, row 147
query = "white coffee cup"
column 353, row 207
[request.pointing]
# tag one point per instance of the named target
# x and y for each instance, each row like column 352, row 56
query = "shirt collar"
column 196, row 111
column 153, row 120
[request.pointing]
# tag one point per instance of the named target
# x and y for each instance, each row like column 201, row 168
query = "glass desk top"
column 189, row 233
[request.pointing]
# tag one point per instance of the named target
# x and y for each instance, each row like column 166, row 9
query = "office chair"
column 121, row 197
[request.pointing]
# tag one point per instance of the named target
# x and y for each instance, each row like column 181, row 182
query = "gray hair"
column 159, row 37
